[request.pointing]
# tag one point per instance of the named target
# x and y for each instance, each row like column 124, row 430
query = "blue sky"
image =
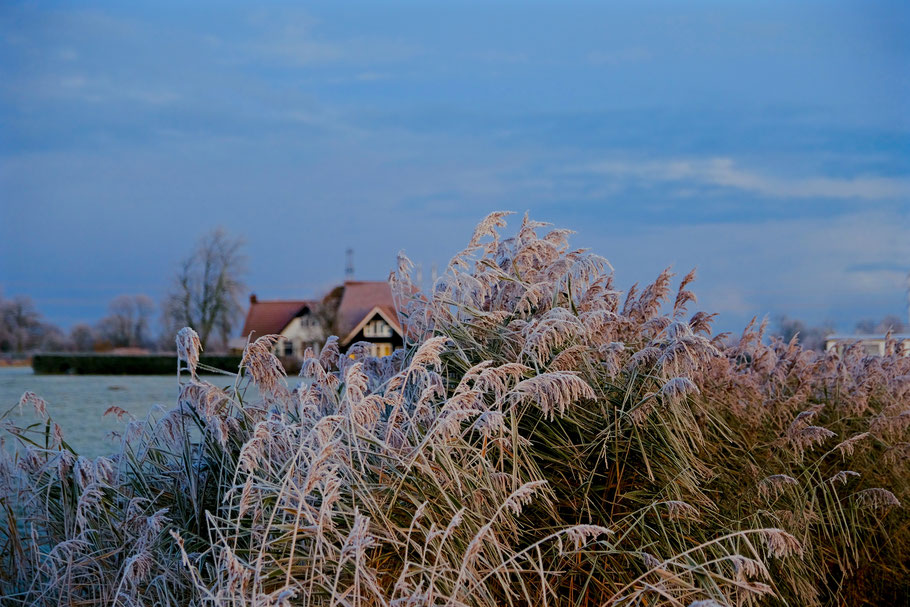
column 767, row 144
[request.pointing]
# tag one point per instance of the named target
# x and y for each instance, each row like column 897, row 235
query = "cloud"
column 724, row 172
column 299, row 51
column 372, row 76
column 881, row 266
column 805, row 267
column 292, row 40
column 623, row 56
column 500, row 57
column 102, row 89
column 727, row 299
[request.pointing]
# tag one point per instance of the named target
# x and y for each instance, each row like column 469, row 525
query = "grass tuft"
column 540, row 441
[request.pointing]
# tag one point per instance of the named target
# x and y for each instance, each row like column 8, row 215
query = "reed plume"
column 542, row 439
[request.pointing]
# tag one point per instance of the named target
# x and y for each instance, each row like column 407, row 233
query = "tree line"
column 205, row 293
column 813, row 337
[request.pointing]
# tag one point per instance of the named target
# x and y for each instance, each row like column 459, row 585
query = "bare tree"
column 54, row 340
column 888, row 323
column 326, row 311
column 893, row 323
column 21, row 328
column 127, row 322
column 83, row 337
column 865, row 326
column 811, row 338
column 206, row 294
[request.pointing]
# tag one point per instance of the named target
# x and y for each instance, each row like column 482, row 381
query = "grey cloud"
column 724, row 172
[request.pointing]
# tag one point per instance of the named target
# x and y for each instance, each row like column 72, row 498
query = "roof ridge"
column 262, row 301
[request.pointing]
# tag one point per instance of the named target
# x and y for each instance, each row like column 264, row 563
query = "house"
column 873, row 345
column 294, row 320
column 365, row 312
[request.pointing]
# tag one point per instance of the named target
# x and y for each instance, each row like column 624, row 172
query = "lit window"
column 380, row 350
column 377, row 328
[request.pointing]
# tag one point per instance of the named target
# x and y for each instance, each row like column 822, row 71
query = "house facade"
column 873, row 345
column 294, row 320
column 365, row 313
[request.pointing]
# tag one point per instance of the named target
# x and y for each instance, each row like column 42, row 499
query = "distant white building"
column 873, row 345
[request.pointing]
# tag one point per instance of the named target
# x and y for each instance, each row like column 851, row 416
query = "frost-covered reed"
column 542, row 440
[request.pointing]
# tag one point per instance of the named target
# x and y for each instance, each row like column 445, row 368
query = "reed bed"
column 542, row 440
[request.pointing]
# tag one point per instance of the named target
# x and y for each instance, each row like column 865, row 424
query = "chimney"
column 253, row 298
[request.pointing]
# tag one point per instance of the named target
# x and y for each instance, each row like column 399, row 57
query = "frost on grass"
column 545, row 437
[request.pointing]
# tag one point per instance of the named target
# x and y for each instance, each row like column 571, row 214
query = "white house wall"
column 301, row 334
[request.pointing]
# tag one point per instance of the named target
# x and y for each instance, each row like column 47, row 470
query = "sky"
column 766, row 144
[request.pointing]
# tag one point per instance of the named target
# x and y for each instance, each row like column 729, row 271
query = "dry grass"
column 543, row 441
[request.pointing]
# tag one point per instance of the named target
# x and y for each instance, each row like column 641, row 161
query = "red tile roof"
column 359, row 298
column 267, row 317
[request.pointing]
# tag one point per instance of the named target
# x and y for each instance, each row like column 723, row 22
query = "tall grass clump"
column 542, row 440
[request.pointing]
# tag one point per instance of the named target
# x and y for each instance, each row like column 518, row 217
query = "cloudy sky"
column 767, row 144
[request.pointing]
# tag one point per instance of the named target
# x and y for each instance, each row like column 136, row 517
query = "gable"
column 359, row 299
column 272, row 317
column 377, row 313
column 303, row 326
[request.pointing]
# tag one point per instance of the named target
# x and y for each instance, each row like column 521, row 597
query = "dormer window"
column 377, row 328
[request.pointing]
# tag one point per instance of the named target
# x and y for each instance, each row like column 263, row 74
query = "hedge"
column 109, row 364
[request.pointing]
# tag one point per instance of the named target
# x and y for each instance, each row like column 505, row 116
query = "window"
column 377, row 328
column 288, row 347
column 381, row 349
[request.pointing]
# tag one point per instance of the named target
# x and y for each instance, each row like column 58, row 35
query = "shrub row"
column 109, row 364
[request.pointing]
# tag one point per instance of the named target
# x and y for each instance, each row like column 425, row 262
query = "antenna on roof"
column 349, row 263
